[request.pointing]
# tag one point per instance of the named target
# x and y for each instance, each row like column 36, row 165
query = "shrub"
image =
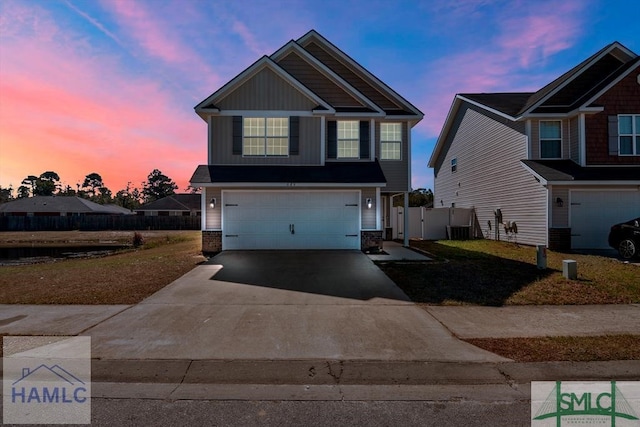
column 138, row 240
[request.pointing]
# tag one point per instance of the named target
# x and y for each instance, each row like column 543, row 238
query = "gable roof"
column 566, row 171
column 175, row 202
column 343, row 73
column 56, row 204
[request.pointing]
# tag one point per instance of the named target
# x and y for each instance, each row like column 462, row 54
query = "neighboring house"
column 563, row 163
column 175, row 205
column 58, row 206
column 305, row 150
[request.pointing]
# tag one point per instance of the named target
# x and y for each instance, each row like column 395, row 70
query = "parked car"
column 625, row 238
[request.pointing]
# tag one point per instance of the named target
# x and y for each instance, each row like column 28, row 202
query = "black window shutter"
column 613, row 135
column 237, row 134
column 364, row 139
column 294, row 135
column 332, row 139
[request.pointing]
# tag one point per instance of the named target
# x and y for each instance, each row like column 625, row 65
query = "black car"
column 625, row 238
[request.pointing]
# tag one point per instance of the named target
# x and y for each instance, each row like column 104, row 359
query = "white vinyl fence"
column 433, row 223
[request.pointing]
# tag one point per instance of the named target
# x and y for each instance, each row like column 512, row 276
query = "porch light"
column 559, row 202
column 212, row 203
column 368, row 203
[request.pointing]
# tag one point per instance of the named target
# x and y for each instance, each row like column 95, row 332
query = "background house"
column 175, row 205
column 563, row 163
column 58, row 206
column 305, row 150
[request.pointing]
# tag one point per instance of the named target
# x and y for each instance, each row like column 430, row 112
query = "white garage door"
column 594, row 212
column 291, row 220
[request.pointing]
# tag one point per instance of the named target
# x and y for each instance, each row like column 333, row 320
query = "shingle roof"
column 506, row 102
column 567, row 170
column 331, row 172
column 55, row 204
column 175, row 202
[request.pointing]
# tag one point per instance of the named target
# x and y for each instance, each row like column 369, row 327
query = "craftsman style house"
column 305, row 150
column 563, row 163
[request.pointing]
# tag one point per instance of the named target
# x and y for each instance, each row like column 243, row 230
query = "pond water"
column 26, row 253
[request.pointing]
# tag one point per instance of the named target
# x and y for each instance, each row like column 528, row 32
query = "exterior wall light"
column 559, row 202
column 368, row 203
column 212, row 203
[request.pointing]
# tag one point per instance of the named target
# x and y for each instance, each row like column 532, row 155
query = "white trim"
column 635, row 133
column 337, row 80
column 203, row 210
column 546, row 139
column 527, row 131
column 491, row 110
column 360, row 68
column 613, row 83
column 598, row 183
column 539, row 177
column 582, row 140
column 378, row 210
column 401, row 123
column 266, row 113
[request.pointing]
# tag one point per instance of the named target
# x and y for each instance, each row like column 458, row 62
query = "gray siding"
column 559, row 215
column 222, row 153
column 266, row 91
column 396, row 171
column 368, row 215
column 489, row 174
column 309, row 76
column 213, row 218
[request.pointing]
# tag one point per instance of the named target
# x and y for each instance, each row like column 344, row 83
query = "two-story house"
column 305, row 150
column 563, row 163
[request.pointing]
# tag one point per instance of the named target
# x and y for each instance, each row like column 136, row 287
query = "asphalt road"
column 159, row 413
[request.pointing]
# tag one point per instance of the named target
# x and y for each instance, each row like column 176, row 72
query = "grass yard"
column 486, row 272
column 126, row 277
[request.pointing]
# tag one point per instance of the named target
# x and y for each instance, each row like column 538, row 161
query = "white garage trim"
column 333, row 220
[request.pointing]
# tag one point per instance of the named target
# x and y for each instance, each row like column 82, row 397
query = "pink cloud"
column 86, row 114
column 248, row 38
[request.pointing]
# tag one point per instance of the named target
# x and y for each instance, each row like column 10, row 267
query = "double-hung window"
column 551, row 139
column 265, row 136
column 348, row 139
column 390, row 141
column 629, row 134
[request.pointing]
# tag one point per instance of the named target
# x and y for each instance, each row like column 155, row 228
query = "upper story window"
column 454, row 165
column 629, row 134
column 390, row 141
column 551, row 139
column 348, row 139
column 265, row 136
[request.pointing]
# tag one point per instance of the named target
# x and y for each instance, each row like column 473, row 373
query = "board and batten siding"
column 490, row 175
column 396, row 171
column 574, row 139
column 266, row 91
column 213, row 216
column 320, row 84
column 368, row 215
column 221, row 137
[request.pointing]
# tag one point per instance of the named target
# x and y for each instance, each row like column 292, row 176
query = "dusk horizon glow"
column 110, row 86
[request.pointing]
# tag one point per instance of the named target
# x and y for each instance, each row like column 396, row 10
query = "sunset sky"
column 109, row 86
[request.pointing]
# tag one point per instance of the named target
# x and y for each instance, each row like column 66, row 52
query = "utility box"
column 542, row 257
column 570, row 269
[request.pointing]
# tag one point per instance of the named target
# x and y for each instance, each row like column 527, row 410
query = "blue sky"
column 109, row 86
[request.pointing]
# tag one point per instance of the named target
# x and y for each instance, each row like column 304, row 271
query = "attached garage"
column 274, row 219
column 594, row 212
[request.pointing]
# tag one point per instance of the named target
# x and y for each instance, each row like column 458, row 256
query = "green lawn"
column 486, row 272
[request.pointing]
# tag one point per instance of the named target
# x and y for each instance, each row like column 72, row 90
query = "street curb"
column 355, row 372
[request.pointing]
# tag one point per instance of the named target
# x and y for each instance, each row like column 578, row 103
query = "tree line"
column 157, row 186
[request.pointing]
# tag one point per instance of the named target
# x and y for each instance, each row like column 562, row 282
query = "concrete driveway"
column 285, row 305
